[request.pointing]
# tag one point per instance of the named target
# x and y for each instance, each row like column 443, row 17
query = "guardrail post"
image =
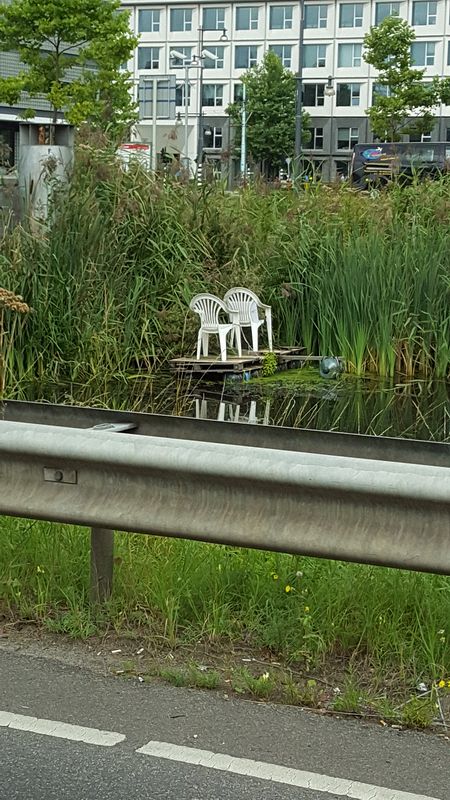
column 102, row 563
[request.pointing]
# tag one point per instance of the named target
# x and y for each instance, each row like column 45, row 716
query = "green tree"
column 72, row 51
column 408, row 108
column 270, row 105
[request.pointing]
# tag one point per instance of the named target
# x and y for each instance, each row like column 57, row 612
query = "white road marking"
column 61, row 730
column 276, row 773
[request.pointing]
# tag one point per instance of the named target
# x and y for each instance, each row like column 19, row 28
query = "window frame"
column 352, row 95
column 315, row 136
column 352, row 139
column 219, row 25
column 187, row 19
column 354, row 58
column 251, row 20
column 319, row 95
column 428, row 14
column 209, row 63
column 428, row 46
column 215, row 136
column 179, row 88
column 155, row 25
column 151, row 48
column 217, row 95
column 309, row 7
column 355, row 15
column 283, row 58
column 252, row 61
column 391, row 13
column 177, row 63
column 287, row 21
column 307, row 48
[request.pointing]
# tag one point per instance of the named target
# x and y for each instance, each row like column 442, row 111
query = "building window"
column 213, row 19
column 238, row 92
column 383, row 10
column 342, row 169
column 351, row 15
column 424, row 13
column 314, row 55
column 316, row 140
column 180, row 62
column 420, row 137
column 181, row 19
column 148, row 57
column 245, row 56
column 284, row 53
column 247, row 18
column 280, row 18
column 148, row 21
column 423, row 53
column 447, row 136
column 179, row 95
column 212, row 137
column 347, row 138
column 316, row 16
column 313, row 94
column 212, row 94
column 348, row 94
column 349, row 55
column 217, row 62
column 379, row 90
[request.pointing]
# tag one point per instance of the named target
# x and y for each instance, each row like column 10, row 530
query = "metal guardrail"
column 364, row 499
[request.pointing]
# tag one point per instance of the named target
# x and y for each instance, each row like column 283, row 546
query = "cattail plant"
column 12, row 308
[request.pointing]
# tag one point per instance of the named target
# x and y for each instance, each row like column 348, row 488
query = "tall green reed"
column 364, row 277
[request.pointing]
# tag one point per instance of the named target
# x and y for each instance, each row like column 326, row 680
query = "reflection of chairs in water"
column 231, row 412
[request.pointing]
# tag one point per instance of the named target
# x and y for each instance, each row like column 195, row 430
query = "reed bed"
column 365, row 277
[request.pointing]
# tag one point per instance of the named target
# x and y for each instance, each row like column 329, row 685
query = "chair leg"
column 205, row 343
column 223, row 345
column 254, row 328
column 269, row 328
column 237, row 335
column 199, row 344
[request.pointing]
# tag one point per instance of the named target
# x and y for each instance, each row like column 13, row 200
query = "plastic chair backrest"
column 245, row 302
column 208, row 307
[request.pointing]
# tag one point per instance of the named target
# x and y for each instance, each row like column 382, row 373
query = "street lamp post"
column 202, row 54
column 200, row 106
column 298, row 94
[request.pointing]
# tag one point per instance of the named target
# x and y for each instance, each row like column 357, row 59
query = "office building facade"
column 238, row 35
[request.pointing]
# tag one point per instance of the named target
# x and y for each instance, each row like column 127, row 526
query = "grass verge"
column 374, row 633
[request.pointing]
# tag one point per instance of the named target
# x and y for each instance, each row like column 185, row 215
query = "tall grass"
column 366, row 277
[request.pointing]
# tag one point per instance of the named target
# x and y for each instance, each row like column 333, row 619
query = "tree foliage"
column 71, row 52
column 409, row 107
column 270, row 105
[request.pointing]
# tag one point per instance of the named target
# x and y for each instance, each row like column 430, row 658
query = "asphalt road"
column 243, row 750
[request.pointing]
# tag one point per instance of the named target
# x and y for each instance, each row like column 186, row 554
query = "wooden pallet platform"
column 213, row 367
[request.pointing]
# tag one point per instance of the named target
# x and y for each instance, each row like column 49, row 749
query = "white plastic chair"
column 208, row 307
column 243, row 308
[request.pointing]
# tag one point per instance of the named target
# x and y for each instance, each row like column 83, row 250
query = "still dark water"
column 300, row 399
column 413, row 409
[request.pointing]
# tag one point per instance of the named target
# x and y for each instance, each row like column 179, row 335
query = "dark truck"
column 376, row 164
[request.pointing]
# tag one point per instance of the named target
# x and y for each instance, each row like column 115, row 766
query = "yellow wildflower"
column 441, row 684
column 288, row 589
column 274, row 576
column 306, row 609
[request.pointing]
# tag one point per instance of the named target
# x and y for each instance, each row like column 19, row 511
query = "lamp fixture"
column 329, row 88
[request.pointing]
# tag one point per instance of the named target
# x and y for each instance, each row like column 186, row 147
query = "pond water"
column 300, row 399
column 296, row 398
